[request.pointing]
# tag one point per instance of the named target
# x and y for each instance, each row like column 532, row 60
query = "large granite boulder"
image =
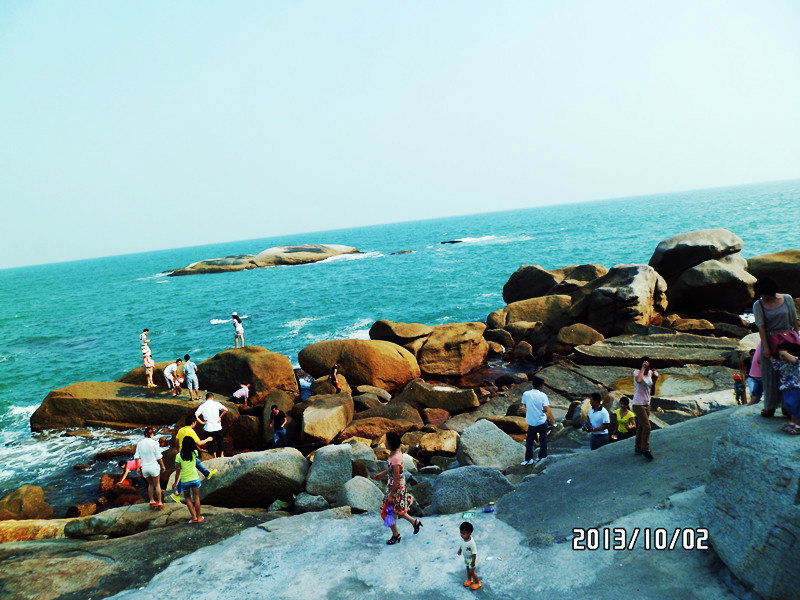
column 371, row 428
column 533, row 281
column 467, row 487
column 714, row 284
column 326, row 416
column 499, row 336
column 410, row 336
column 442, row 442
column 331, row 469
column 265, row 371
column 569, row 383
column 485, row 445
column 323, row 385
column 626, row 294
column 361, row 495
column 26, row 502
column 552, row 310
column 224, row 264
column 783, row 267
column 446, row 397
column 396, row 410
column 686, row 250
column 453, row 350
column 300, row 254
column 665, row 350
column 31, row 529
column 364, row 362
column 752, row 514
column 255, row 479
column 118, row 405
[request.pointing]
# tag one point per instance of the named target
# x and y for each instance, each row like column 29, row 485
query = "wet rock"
column 26, row 502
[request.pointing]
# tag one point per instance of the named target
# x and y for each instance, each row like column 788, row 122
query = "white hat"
column 234, row 315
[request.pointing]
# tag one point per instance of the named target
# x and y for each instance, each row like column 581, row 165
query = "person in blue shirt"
column 190, row 373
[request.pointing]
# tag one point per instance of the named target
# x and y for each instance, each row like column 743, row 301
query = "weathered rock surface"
column 783, row 267
column 397, row 410
column 279, row 255
column 446, row 397
column 326, row 417
column 372, row 428
column 714, row 284
column 265, row 371
column 437, row 443
column 361, row 495
column 460, row 489
column 364, row 362
column 137, row 376
column 255, row 479
column 687, row 250
column 664, row 349
column 553, row 311
column 626, row 294
column 453, row 350
column 371, row 389
column 500, row 336
column 485, row 445
column 304, row 503
column 26, row 502
column 570, row 383
column 331, row 469
column 31, row 529
column 752, row 514
column 110, row 404
column 402, row 334
column 532, row 281
column 323, row 385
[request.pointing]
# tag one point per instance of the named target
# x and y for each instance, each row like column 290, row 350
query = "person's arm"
column 124, row 475
column 177, row 473
column 459, row 550
column 381, row 475
column 640, row 375
column 200, row 418
column 603, row 426
column 283, row 425
column 783, row 354
column 632, row 424
column 548, row 413
column 655, row 378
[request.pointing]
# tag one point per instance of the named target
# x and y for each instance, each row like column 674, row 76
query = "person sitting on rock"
column 626, row 420
column 599, row 422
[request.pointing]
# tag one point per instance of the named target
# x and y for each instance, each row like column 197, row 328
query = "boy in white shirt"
column 469, row 549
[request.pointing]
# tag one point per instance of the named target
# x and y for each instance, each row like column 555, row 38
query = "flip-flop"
column 468, row 583
column 793, row 431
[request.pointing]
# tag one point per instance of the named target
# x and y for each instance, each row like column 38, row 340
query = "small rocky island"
column 271, row 257
column 453, row 393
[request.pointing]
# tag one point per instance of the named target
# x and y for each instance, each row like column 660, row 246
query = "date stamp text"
column 658, row 538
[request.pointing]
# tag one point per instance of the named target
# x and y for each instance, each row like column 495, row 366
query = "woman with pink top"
column 644, row 384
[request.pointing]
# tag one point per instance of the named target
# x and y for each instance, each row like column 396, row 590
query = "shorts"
column 187, row 485
column 151, row 470
column 219, row 441
column 148, row 370
column 756, row 387
column 791, row 398
column 468, row 563
column 192, row 383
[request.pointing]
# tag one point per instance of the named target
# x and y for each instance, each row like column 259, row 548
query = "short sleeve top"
column 641, row 389
column 776, row 320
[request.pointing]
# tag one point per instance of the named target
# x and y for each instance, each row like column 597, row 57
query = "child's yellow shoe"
column 468, row 583
column 476, row 586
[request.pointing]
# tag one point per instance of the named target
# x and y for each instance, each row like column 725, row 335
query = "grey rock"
column 371, row 389
column 467, row 487
column 361, row 495
column 686, row 250
column 484, row 444
column 305, row 502
column 331, row 469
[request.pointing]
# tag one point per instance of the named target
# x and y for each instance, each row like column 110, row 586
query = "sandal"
column 468, row 583
column 795, row 430
column 394, row 539
column 476, row 586
column 768, row 413
column 417, row 526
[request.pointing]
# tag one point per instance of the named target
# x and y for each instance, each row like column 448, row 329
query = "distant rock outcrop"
column 271, row 257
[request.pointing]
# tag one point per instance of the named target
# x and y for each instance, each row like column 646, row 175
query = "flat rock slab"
column 665, row 350
column 682, row 456
column 347, row 559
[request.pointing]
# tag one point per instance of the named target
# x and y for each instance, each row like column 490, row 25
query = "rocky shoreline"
column 452, row 392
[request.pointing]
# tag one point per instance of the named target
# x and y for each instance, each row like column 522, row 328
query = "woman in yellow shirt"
column 626, row 421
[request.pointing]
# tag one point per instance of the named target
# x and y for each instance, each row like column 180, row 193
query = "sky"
column 136, row 126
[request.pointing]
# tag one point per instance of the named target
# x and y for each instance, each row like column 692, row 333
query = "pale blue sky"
column 135, row 126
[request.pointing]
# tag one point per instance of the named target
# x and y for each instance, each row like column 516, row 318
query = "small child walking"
column 786, row 365
column 738, row 389
column 469, row 549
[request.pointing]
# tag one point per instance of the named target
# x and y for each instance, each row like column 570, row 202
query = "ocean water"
column 80, row 321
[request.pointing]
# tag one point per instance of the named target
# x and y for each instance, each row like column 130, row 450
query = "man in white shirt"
column 169, row 374
column 537, row 416
column 210, row 414
column 599, row 423
column 149, row 453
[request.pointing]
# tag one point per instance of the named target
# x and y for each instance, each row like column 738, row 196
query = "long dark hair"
column 188, row 448
column 237, row 318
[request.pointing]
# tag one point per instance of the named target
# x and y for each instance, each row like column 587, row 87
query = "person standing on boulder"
column 188, row 431
column 334, row 376
column 190, row 372
column 238, row 329
column 149, row 452
column 644, row 384
column 149, row 365
column 277, row 420
column 776, row 318
column 397, row 495
column 210, row 414
column 143, row 339
column 537, row 416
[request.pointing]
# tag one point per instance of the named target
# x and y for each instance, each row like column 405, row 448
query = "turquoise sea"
column 80, row 321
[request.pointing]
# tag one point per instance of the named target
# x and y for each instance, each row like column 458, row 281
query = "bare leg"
column 157, row 486
column 473, row 574
column 150, row 488
column 187, row 494
column 196, row 493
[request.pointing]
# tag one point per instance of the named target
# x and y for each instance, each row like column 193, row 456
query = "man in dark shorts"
column 210, row 414
column 277, row 420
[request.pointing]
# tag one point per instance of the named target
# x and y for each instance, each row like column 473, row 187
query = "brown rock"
column 322, row 385
column 31, row 529
column 532, row 281
column 366, row 401
column 399, row 333
column 453, row 350
column 696, row 326
column 26, row 502
column 138, row 377
column 374, row 427
column 81, row 510
column 553, row 311
column 522, row 352
column 783, row 267
column 510, row 425
column 396, row 410
column 326, row 416
column 687, row 250
column 578, row 334
column 364, row 362
column 499, row 336
column 265, row 371
column 124, row 452
column 451, row 399
column 435, row 416
column 437, row 443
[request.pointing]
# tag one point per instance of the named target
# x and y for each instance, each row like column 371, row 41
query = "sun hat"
column 234, row 315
